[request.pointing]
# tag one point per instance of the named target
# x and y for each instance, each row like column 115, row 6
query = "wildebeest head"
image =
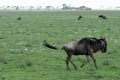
column 103, row 45
column 100, row 45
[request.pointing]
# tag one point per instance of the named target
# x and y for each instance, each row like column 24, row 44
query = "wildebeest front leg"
column 87, row 61
column 94, row 60
column 73, row 64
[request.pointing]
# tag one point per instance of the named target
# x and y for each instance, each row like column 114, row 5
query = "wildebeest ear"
column 103, row 38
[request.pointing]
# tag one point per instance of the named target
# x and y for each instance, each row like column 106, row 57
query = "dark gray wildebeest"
column 19, row 18
column 86, row 46
column 79, row 17
column 103, row 17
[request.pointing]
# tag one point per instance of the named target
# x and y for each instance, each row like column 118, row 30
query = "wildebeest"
column 19, row 18
column 103, row 17
column 79, row 17
column 86, row 46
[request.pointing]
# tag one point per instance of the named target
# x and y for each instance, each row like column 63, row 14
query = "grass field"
column 23, row 57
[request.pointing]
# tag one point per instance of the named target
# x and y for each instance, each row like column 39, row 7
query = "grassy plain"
column 21, row 45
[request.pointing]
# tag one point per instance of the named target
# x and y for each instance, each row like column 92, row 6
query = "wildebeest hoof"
column 75, row 68
column 68, row 69
column 82, row 65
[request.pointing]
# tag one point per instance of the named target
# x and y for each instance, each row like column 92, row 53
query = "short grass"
column 23, row 57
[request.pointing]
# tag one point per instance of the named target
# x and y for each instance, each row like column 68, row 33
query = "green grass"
column 27, row 59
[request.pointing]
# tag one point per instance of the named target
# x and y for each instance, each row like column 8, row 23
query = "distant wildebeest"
column 19, row 18
column 79, row 17
column 103, row 17
column 85, row 46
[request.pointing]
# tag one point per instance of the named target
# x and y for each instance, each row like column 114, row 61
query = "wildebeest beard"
column 90, row 45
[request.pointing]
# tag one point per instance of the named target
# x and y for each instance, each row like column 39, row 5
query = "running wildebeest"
column 85, row 46
column 80, row 17
column 103, row 17
column 19, row 18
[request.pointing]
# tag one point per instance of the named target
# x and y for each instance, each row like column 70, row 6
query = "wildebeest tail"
column 49, row 46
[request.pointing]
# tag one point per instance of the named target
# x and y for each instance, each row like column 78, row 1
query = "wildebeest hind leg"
column 73, row 64
column 69, row 60
column 67, row 63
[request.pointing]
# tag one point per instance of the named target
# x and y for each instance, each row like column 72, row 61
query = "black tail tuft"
column 49, row 46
